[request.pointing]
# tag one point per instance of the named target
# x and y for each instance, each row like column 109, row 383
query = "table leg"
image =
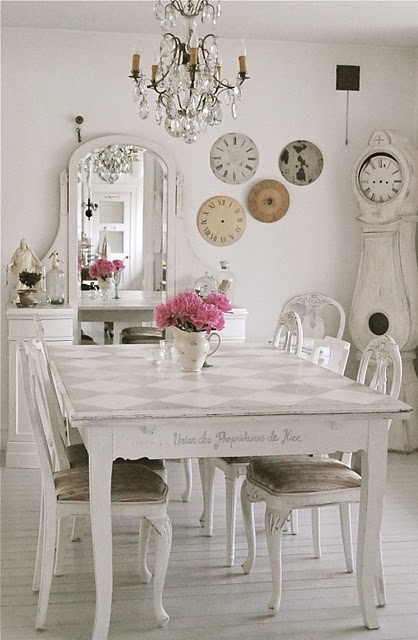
column 100, row 466
column 373, row 474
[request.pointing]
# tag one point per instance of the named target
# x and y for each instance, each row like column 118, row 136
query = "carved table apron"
column 254, row 400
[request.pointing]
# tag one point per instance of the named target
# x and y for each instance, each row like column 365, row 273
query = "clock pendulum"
column 385, row 300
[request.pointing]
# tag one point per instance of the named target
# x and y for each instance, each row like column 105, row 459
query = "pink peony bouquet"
column 103, row 268
column 189, row 312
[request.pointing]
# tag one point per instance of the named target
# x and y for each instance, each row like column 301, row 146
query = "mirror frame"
column 78, row 155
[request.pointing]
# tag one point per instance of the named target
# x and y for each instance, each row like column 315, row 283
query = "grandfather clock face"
column 380, row 178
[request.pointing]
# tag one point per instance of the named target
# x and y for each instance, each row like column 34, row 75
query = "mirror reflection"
column 122, row 215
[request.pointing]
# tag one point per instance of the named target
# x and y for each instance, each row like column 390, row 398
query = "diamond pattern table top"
column 244, row 379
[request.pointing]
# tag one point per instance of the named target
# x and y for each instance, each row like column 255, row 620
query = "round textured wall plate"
column 301, row 162
column 268, row 201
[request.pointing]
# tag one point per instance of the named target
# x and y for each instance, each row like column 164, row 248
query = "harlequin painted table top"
column 244, row 379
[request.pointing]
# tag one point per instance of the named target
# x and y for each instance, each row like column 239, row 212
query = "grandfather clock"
column 385, row 184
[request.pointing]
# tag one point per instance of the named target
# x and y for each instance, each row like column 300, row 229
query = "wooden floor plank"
column 205, row 599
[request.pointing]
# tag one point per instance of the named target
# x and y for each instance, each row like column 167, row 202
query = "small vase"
column 116, row 277
column 194, row 347
column 105, row 287
column 27, row 297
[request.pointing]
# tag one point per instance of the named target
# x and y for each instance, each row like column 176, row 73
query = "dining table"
column 253, row 400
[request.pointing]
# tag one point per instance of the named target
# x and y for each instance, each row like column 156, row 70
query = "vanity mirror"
column 122, row 198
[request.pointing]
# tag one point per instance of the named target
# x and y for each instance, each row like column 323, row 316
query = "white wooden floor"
column 206, row 600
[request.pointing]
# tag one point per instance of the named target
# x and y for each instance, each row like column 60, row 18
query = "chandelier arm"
column 188, row 10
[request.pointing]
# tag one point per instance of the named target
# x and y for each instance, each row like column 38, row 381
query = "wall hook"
column 79, row 120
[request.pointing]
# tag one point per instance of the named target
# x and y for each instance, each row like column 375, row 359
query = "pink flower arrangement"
column 103, row 268
column 189, row 312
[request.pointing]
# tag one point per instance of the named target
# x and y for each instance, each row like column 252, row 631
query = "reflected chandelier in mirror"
column 109, row 162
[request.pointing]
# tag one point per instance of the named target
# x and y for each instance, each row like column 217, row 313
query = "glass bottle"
column 226, row 280
column 55, row 281
column 42, row 296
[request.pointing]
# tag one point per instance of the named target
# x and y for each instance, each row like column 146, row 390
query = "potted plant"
column 29, row 280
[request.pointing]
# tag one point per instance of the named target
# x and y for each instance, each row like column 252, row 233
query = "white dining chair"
column 320, row 316
column 286, row 483
column 288, row 336
column 331, row 353
column 136, row 492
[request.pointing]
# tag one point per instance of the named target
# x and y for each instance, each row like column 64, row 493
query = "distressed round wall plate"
column 301, row 162
column 268, row 201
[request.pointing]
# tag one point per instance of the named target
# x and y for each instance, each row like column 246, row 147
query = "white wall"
column 49, row 77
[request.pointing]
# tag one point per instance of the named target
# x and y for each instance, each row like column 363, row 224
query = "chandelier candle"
column 135, row 62
column 187, row 78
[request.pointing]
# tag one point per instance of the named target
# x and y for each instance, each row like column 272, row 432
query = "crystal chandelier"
column 187, row 78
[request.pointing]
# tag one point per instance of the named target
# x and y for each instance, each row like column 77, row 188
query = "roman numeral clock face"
column 380, row 178
column 221, row 221
column 234, row 158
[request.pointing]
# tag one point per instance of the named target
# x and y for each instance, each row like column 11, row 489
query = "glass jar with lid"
column 205, row 285
column 226, row 280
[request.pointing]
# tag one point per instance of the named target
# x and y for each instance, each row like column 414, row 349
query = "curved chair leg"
column 274, row 522
column 207, row 475
column 379, row 578
column 316, row 531
column 163, row 536
column 231, row 512
column 48, row 551
column 203, row 463
column 345, row 519
column 185, row 496
column 294, row 522
column 77, row 528
column 247, row 507
column 145, row 574
column 38, row 561
column 62, row 532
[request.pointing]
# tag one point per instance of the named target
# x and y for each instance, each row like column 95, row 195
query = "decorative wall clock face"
column 234, row 158
column 380, row 178
column 221, row 221
column 301, row 162
column 268, row 201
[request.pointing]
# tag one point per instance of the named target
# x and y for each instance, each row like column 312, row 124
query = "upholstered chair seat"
column 130, row 483
column 301, row 474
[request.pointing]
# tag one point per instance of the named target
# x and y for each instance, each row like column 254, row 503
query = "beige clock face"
column 301, row 162
column 380, row 178
column 221, row 221
column 234, row 158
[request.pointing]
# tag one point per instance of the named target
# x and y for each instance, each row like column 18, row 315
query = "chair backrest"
column 380, row 355
column 34, row 400
column 314, row 309
column 50, row 411
column 288, row 335
column 40, row 333
column 331, row 353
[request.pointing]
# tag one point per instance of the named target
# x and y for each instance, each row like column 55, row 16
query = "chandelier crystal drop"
column 188, row 75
